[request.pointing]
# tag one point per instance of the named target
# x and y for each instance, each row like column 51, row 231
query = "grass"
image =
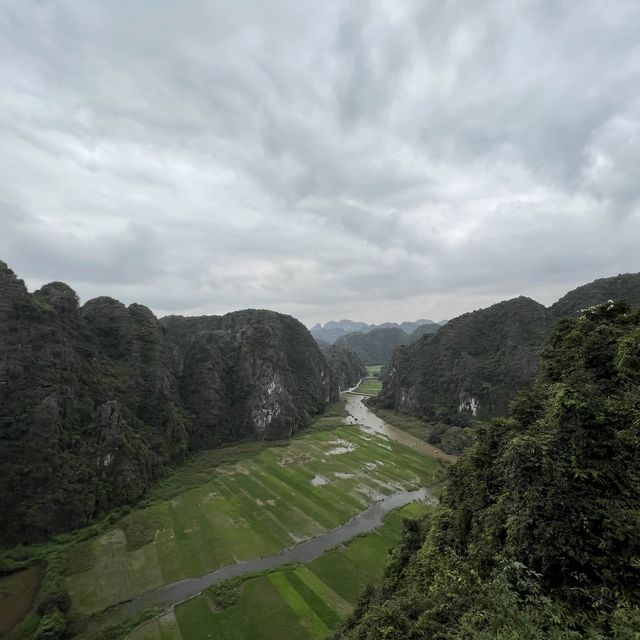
column 410, row 424
column 162, row 628
column 370, row 387
column 304, row 602
column 257, row 502
column 374, row 369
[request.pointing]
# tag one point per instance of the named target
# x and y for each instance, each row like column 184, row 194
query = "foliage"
column 140, row 528
column 52, row 626
column 98, row 401
column 375, row 346
column 450, row 438
column 471, row 368
column 538, row 533
column 346, row 367
column 625, row 286
column 225, row 594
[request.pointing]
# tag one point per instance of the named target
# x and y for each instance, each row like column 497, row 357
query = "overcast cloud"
column 382, row 160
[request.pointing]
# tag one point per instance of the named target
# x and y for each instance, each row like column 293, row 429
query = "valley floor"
column 303, row 602
column 259, row 502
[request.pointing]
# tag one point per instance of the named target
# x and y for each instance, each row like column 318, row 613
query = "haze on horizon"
column 378, row 161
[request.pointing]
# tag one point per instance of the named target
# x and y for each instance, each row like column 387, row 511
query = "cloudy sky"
column 381, row 161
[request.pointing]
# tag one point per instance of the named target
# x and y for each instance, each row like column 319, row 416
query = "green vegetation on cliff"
column 472, row 367
column 97, row 401
column 346, row 366
column 375, row 346
column 538, row 532
column 625, row 286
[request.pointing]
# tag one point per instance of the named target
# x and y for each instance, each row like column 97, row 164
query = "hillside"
column 334, row 330
column 476, row 363
column 536, row 535
column 375, row 346
column 424, row 330
column 622, row 287
column 347, row 369
column 96, row 400
column 472, row 367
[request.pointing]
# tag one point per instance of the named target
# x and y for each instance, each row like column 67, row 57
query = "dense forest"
column 96, row 400
column 538, row 533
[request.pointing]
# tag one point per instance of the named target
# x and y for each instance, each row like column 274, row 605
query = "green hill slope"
column 537, row 535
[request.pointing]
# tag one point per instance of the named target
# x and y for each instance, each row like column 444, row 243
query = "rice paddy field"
column 303, row 602
column 255, row 506
column 370, row 387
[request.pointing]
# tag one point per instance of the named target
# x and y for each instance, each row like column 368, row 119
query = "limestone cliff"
column 96, row 400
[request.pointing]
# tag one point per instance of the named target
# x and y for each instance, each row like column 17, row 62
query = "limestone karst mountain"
column 475, row 364
column 95, row 400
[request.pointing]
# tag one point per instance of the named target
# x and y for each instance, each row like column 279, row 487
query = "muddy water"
column 360, row 414
column 306, row 551
column 17, row 592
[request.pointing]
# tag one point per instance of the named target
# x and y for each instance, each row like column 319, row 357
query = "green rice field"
column 374, row 369
column 304, row 602
column 255, row 506
column 370, row 387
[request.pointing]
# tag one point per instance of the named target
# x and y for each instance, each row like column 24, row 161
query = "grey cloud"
column 399, row 158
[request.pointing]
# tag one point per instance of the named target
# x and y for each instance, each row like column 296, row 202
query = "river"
column 365, row 522
column 360, row 414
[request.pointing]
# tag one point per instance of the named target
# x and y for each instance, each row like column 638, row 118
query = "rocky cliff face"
column 247, row 374
column 472, row 367
column 346, row 367
column 96, row 400
column 476, row 363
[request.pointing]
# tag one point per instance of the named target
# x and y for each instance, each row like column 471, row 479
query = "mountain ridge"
column 449, row 377
column 95, row 400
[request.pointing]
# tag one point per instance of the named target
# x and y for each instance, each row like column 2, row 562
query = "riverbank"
column 359, row 413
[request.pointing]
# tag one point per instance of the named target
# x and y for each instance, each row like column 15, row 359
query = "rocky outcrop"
column 346, row 367
column 472, row 367
column 247, row 374
column 475, row 364
column 96, row 400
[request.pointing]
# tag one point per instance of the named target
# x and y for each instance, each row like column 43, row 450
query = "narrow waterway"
column 360, row 414
column 306, row 551
column 365, row 522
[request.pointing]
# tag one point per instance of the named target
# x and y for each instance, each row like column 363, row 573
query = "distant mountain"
column 376, row 346
column 472, row 366
column 333, row 330
column 96, row 399
column 424, row 330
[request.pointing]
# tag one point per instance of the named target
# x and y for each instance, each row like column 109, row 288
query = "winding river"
column 365, row 522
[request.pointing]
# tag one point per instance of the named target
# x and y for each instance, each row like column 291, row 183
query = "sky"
column 379, row 161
